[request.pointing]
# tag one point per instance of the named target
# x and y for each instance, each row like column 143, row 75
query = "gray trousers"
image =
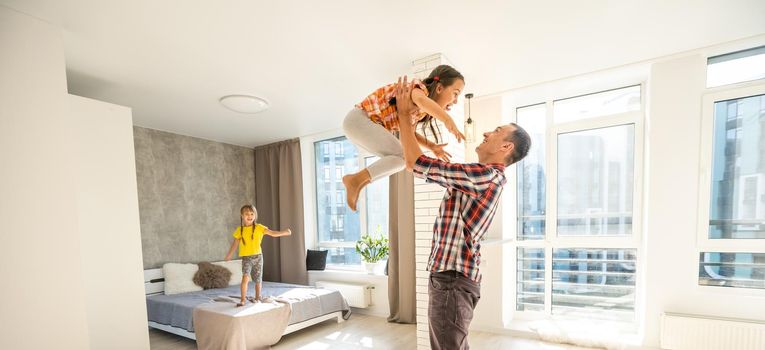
column 453, row 298
column 372, row 137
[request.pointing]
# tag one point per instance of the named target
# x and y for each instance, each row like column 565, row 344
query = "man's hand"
column 404, row 105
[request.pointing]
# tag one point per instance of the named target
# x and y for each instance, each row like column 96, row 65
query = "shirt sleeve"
column 238, row 233
column 472, row 179
column 261, row 229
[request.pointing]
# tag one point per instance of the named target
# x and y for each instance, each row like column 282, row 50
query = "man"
column 470, row 202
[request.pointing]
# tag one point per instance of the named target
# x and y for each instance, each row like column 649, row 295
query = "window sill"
column 348, row 273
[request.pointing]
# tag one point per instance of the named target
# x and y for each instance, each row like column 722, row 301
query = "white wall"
column 71, row 256
column 107, row 204
column 43, row 298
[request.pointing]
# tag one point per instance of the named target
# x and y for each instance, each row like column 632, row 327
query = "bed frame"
column 154, row 283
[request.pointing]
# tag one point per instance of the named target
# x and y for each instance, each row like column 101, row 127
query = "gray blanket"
column 307, row 302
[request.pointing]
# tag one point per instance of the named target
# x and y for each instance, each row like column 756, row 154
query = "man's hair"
column 522, row 141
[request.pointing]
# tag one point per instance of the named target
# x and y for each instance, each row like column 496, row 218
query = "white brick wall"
column 427, row 199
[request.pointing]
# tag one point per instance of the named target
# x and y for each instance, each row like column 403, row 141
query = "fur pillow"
column 212, row 276
column 178, row 278
column 235, row 266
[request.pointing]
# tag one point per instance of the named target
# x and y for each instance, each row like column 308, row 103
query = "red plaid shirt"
column 469, row 205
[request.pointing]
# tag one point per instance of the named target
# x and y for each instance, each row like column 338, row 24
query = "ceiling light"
column 244, row 103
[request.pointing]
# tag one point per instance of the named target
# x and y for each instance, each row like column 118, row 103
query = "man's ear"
column 508, row 147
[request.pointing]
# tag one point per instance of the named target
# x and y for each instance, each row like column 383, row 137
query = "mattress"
column 306, row 302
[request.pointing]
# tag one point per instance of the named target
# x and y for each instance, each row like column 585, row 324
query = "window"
column 737, row 206
column 577, row 223
column 595, row 181
column 736, row 67
column 594, row 283
column 338, row 228
column 732, row 203
column 598, row 104
column 738, row 270
column 376, row 204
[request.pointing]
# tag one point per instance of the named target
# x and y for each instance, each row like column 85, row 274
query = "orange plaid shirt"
column 380, row 110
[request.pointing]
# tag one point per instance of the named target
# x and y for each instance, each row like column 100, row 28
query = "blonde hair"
column 247, row 207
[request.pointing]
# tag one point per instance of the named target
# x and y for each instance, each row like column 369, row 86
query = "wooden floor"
column 362, row 332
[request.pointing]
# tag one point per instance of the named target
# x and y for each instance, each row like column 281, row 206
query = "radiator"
column 357, row 294
column 693, row 332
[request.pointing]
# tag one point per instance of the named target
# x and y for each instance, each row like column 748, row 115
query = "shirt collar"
column 498, row 166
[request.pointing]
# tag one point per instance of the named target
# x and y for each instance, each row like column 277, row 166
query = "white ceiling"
column 172, row 60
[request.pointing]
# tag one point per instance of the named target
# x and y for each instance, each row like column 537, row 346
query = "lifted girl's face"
column 248, row 216
column 446, row 97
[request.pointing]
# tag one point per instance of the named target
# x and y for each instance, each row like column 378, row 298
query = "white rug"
column 593, row 334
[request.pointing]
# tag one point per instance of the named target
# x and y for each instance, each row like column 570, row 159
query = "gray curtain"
column 401, row 270
column 279, row 200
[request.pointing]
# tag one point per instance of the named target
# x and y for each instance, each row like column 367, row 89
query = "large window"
column 338, row 228
column 577, row 197
column 732, row 207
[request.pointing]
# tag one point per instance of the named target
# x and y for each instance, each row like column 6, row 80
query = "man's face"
column 495, row 142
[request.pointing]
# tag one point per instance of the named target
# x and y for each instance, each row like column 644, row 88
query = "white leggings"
column 375, row 139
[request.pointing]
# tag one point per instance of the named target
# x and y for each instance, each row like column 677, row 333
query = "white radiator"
column 692, row 332
column 357, row 294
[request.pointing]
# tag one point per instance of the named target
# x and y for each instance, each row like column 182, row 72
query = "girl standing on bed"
column 248, row 237
column 370, row 125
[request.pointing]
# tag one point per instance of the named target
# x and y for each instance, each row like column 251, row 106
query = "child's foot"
column 241, row 303
column 353, row 185
column 351, row 192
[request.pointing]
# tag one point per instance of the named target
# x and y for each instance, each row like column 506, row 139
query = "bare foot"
column 241, row 302
column 354, row 183
column 351, row 192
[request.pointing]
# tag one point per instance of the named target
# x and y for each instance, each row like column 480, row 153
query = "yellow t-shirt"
column 250, row 245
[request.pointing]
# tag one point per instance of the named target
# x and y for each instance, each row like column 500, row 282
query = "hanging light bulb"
column 469, row 123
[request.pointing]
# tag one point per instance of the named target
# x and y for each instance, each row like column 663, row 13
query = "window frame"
column 552, row 240
column 704, row 244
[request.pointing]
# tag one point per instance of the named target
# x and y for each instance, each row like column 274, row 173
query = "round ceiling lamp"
column 244, row 103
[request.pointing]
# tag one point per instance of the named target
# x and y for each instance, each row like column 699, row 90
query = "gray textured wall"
column 189, row 194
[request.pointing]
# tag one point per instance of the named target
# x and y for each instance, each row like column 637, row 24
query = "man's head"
column 506, row 144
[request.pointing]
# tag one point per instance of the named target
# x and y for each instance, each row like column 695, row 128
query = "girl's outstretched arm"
column 286, row 232
column 432, row 108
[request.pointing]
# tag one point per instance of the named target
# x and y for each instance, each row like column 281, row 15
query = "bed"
column 174, row 313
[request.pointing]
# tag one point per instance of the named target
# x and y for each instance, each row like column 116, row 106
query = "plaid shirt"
column 380, row 110
column 469, row 205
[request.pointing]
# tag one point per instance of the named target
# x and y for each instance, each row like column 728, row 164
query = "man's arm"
column 405, row 106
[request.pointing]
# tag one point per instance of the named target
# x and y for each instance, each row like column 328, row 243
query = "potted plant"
column 372, row 250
